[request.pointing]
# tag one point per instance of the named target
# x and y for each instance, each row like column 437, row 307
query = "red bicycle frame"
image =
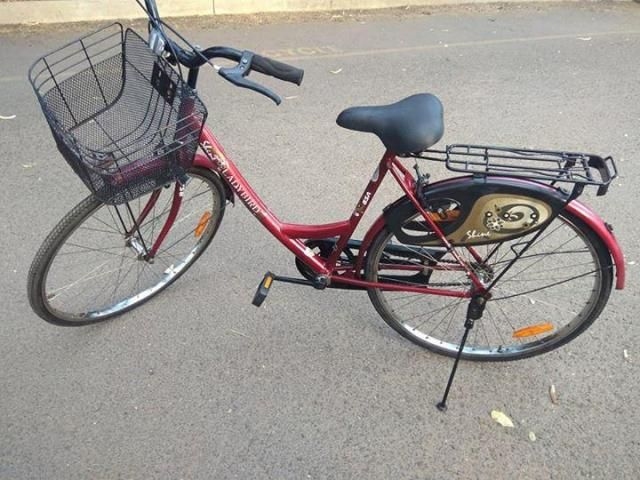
column 292, row 235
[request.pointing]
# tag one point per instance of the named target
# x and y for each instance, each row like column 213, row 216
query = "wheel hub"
column 484, row 272
column 136, row 245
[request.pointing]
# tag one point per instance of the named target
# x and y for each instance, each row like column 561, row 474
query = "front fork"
column 136, row 242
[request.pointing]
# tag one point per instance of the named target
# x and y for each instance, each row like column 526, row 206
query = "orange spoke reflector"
column 532, row 330
column 202, row 224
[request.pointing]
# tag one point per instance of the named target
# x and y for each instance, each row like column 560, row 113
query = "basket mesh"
column 121, row 116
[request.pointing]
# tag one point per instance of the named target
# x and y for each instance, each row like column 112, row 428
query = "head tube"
column 152, row 8
column 156, row 40
column 156, row 36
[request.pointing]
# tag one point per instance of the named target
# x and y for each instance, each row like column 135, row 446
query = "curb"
column 63, row 11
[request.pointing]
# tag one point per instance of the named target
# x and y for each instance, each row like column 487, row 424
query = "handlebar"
column 259, row 63
column 247, row 61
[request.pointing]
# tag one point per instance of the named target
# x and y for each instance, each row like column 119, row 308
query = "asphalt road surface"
column 198, row 383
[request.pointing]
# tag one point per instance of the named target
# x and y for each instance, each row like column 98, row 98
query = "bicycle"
column 505, row 251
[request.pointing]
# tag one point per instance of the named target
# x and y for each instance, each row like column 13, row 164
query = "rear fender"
column 469, row 189
column 605, row 232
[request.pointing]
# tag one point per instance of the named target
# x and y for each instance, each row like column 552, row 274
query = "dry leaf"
column 501, row 418
column 10, row 117
column 532, row 436
column 335, row 72
column 553, row 395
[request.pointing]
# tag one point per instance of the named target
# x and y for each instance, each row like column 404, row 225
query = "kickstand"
column 474, row 312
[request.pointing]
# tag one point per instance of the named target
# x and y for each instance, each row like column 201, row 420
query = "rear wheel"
column 548, row 297
column 90, row 269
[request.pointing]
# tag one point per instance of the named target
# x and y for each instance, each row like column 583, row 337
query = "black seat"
column 410, row 125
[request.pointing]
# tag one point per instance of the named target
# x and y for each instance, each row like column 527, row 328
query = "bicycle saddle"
column 410, row 125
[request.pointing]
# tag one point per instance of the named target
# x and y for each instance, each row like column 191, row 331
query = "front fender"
column 203, row 161
column 605, row 232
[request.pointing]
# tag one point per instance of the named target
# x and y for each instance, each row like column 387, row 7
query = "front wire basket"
column 121, row 116
column 542, row 165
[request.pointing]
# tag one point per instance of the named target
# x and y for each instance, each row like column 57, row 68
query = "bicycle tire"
column 68, row 304
column 515, row 311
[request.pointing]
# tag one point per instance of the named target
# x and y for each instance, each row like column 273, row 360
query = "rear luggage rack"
column 543, row 165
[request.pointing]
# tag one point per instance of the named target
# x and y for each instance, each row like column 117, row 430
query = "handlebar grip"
column 277, row 69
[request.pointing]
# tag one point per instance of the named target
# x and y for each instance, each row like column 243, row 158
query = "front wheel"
column 92, row 266
column 548, row 297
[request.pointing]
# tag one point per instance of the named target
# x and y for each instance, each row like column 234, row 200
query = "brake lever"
column 237, row 76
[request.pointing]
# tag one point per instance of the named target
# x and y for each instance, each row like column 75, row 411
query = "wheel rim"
column 541, row 302
column 97, row 272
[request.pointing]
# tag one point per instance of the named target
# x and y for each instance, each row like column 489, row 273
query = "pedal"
column 263, row 289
